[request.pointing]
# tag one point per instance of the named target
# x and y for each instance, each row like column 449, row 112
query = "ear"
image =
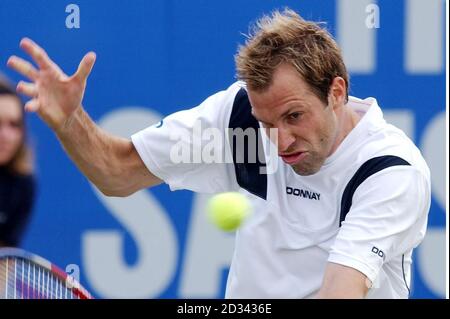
column 338, row 90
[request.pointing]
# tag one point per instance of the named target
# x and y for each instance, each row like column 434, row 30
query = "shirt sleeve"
column 189, row 149
column 388, row 217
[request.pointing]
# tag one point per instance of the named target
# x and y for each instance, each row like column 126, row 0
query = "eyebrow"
column 282, row 115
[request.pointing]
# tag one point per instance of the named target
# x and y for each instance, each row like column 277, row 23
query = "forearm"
column 342, row 282
column 340, row 292
column 104, row 159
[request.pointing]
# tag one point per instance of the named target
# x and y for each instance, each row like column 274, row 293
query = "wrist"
column 67, row 126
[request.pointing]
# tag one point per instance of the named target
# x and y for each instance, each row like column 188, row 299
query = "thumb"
column 85, row 67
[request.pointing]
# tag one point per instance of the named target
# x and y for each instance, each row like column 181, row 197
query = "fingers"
column 32, row 105
column 27, row 88
column 85, row 67
column 36, row 52
column 23, row 67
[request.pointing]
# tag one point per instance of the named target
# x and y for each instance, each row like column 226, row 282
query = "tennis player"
column 347, row 203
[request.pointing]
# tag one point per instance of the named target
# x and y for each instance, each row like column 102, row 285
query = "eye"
column 294, row 116
column 15, row 124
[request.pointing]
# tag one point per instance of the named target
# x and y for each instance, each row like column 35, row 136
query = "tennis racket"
column 24, row 275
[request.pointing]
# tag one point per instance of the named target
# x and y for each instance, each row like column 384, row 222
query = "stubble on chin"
column 309, row 167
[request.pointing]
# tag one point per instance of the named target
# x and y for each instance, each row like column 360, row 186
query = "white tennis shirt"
column 366, row 208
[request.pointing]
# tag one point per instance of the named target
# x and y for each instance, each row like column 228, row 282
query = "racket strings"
column 22, row 279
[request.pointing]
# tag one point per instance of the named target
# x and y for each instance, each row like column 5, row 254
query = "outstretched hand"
column 54, row 95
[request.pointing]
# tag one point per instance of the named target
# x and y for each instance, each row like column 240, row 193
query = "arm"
column 111, row 163
column 388, row 215
column 342, row 282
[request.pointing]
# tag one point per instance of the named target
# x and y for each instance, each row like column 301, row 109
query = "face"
column 308, row 129
column 11, row 127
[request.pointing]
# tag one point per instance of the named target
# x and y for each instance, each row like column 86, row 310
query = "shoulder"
column 392, row 147
column 377, row 138
column 228, row 95
column 390, row 159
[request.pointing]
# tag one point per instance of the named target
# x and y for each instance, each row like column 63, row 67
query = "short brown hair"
column 285, row 37
column 22, row 162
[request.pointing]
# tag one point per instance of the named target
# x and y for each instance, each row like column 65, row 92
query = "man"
column 344, row 208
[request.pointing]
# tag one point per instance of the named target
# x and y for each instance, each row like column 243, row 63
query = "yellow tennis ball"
column 228, row 210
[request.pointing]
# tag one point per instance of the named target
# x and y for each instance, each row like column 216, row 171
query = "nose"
column 285, row 139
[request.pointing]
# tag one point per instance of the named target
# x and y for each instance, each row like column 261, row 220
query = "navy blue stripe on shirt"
column 248, row 174
column 366, row 170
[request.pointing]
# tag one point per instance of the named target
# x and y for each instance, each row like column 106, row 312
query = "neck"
column 348, row 122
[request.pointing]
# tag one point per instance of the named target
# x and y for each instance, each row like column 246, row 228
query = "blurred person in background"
column 17, row 183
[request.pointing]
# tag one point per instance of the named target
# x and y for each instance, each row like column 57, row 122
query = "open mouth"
column 293, row 158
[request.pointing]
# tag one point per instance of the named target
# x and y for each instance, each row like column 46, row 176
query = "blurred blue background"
column 157, row 57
